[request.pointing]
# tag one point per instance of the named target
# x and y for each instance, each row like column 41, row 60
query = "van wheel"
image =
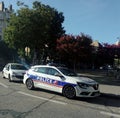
column 9, row 77
column 69, row 92
column 3, row 75
column 29, row 84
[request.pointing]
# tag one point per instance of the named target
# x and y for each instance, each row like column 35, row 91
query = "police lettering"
column 43, row 79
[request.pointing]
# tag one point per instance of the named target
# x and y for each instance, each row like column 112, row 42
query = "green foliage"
column 6, row 53
column 34, row 28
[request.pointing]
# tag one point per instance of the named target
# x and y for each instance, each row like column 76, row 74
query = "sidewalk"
column 109, row 86
column 110, row 91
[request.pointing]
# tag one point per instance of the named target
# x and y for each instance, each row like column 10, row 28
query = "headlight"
column 13, row 73
column 83, row 85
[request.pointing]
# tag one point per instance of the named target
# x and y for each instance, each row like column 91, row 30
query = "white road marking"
column 110, row 114
column 42, row 98
column 3, row 85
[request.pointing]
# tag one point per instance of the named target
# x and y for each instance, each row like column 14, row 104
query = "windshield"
column 18, row 67
column 67, row 72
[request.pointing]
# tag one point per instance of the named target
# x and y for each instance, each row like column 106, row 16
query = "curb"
column 114, row 96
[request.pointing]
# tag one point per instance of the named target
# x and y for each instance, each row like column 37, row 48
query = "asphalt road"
column 16, row 101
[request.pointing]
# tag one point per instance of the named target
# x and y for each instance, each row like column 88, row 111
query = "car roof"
column 14, row 64
column 46, row 66
column 56, row 64
column 42, row 66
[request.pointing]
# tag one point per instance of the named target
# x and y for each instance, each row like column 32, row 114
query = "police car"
column 61, row 80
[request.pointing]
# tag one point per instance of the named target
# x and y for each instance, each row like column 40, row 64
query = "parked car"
column 106, row 67
column 61, row 80
column 14, row 71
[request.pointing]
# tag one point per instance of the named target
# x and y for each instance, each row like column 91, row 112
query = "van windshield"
column 18, row 67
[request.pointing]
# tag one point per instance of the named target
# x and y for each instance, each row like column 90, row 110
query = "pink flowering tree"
column 74, row 49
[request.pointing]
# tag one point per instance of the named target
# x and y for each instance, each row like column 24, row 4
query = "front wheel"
column 9, row 77
column 29, row 84
column 69, row 92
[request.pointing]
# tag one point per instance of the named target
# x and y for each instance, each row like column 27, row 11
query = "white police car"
column 62, row 80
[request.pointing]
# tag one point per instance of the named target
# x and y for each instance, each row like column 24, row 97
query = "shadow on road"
column 105, row 100
column 102, row 100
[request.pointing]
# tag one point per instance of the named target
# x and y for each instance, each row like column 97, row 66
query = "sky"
column 99, row 19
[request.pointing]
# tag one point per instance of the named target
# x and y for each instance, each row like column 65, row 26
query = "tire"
column 29, row 84
column 69, row 92
column 9, row 78
column 3, row 75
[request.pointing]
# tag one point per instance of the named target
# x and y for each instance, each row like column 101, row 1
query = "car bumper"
column 87, row 92
column 17, row 77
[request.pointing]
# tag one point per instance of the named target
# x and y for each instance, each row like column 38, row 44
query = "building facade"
column 4, row 17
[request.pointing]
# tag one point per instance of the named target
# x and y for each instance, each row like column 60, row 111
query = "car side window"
column 40, row 69
column 7, row 67
column 52, row 71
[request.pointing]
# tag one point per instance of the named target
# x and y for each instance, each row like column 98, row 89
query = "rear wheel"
column 69, row 92
column 29, row 84
column 3, row 75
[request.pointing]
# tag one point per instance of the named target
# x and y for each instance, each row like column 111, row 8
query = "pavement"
column 110, row 91
column 109, row 85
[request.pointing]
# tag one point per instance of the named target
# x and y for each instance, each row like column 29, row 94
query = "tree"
column 34, row 28
column 75, row 49
column 6, row 54
column 108, row 53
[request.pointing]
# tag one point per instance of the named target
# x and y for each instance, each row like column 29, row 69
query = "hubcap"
column 69, row 92
column 29, row 84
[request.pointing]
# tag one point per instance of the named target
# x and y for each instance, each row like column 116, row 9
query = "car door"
column 55, row 80
column 40, row 77
column 45, row 77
